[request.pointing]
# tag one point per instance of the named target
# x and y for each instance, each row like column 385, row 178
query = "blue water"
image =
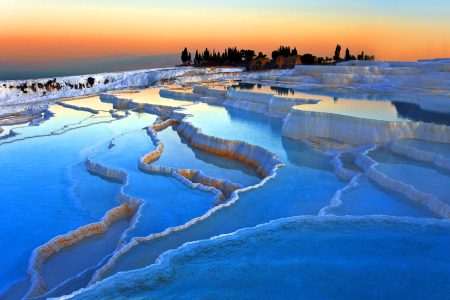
column 302, row 258
column 302, row 187
column 425, row 178
column 46, row 191
column 167, row 202
column 35, row 208
column 353, row 103
column 211, row 165
column 368, row 199
column 437, row 148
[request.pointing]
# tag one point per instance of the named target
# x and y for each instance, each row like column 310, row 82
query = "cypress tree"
column 337, row 52
column 185, row 55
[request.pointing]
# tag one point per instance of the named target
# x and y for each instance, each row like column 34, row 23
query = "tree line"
column 245, row 57
column 230, row 55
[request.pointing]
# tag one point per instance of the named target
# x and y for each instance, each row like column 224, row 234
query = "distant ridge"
column 79, row 66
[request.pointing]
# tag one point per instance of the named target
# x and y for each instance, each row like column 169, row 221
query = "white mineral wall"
column 264, row 161
column 178, row 95
column 305, row 124
column 248, row 96
column 205, row 91
column 115, row 81
column 421, row 155
column 318, row 71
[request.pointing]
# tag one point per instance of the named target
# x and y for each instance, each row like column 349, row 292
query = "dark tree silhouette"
column 337, row 52
column 284, row 51
column 361, row 56
column 294, row 52
column 196, row 58
column 206, row 55
column 308, row 59
column 248, row 55
column 185, row 56
column 347, row 54
column 261, row 55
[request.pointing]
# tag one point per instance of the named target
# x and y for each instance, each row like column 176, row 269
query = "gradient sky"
column 32, row 31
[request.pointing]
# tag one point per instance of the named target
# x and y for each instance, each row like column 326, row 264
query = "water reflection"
column 413, row 112
column 370, row 106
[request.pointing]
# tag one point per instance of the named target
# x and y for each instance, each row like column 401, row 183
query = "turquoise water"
column 302, row 187
column 368, row 199
column 353, row 103
column 87, row 255
column 211, row 165
column 425, row 178
column 35, row 208
column 167, row 202
column 437, row 148
column 47, row 191
column 301, row 258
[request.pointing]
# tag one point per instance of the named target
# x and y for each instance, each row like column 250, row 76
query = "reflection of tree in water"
column 415, row 113
column 244, row 86
column 282, row 91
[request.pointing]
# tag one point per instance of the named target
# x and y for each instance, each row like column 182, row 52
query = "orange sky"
column 34, row 31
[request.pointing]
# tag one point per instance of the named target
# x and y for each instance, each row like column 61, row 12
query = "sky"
column 46, row 30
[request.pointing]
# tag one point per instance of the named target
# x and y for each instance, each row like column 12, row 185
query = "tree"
column 196, row 62
column 248, row 54
column 206, row 55
column 347, row 54
column 275, row 54
column 261, row 55
column 361, row 56
column 294, row 52
column 225, row 56
column 189, row 57
column 308, row 59
column 337, row 52
column 185, row 55
column 234, row 56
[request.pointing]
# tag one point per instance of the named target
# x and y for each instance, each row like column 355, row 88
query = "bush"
column 308, row 59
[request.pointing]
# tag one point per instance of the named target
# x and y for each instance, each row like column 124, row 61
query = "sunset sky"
column 33, row 31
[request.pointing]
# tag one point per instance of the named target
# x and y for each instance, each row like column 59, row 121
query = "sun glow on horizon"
column 52, row 30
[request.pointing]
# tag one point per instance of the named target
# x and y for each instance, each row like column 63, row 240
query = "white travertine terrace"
column 129, row 207
column 432, row 202
column 264, row 161
column 266, row 104
column 86, row 109
column 194, row 179
column 178, row 95
column 435, row 159
column 99, row 274
column 209, row 92
column 306, row 124
column 106, row 82
column 44, row 252
column 255, row 156
column 164, row 270
column 339, row 169
column 418, row 81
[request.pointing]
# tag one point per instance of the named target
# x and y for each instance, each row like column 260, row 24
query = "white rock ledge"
column 420, row 155
column 307, row 124
column 432, row 202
